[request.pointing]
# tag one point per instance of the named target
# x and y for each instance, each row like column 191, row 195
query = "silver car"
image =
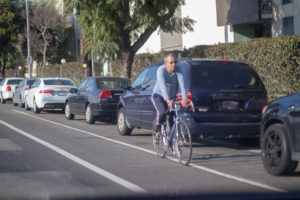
column 21, row 91
column 7, row 88
column 48, row 93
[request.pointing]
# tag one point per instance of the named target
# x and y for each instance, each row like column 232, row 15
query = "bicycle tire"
column 183, row 143
column 160, row 144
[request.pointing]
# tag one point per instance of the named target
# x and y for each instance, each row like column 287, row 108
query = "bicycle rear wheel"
column 183, row 143
column 160, row 144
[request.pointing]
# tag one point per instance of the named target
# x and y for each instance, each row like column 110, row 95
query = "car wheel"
column 90, row 119
column 3, row 101
column 26, row 106
column 35, row 108
column 276, row 151
column 68, row 113
column 21, row 104
column 123, row 127
column 14, row 103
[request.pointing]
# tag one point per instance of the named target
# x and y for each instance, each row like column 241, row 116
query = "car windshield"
column 58, row 82
column 14, row 82
column 109, row 84
column 224, row 76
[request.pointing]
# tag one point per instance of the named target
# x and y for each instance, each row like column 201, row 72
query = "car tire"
column 35, row 108
column 14, row 103
column 90, row 119
column 123, row 127
column 26, row 106
column 276, row 151
column 21, row 104
column 3, row 101
column 68, row 113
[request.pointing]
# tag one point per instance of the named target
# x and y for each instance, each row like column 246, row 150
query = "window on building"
column 287, row 1
column 288, row 25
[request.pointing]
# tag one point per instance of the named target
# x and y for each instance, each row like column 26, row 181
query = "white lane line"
column 253, row 183
column 102, row 172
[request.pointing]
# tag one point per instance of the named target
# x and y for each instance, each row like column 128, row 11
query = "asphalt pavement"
column 47, row 156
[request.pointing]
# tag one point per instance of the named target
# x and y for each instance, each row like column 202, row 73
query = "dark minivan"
column 228, row 97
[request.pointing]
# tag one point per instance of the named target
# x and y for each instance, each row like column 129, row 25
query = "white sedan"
column 48, row 93
column 7, row 88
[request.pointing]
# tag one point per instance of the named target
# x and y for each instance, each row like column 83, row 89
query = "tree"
column 11, row 24
column 119, row 28
column 47, row 30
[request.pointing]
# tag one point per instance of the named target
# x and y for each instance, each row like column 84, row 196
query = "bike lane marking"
column 132, row 187
column 239, row 179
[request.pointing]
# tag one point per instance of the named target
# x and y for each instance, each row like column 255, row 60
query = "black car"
column 228, row 97
column 96, row 98
column 280, row 135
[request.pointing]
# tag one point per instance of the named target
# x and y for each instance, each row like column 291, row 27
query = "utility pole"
column 29, row 58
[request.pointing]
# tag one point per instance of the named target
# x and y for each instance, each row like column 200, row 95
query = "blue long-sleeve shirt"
column 167, row 84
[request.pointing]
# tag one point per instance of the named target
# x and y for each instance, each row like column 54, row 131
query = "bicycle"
column 178, row 137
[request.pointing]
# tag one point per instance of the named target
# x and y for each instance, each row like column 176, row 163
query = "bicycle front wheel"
column 183, row 143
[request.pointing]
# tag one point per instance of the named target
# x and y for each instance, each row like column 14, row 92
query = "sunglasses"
column 173, row 62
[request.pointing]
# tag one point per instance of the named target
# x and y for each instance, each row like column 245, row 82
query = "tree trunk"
column 126, row 63
column 44, row 53
column 3, row 64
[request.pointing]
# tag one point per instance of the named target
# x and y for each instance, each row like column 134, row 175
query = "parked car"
column 96, row 98
column 280, row 135
column 7, row 88
column 227, row 95
column 48, row 93
column 21, row 91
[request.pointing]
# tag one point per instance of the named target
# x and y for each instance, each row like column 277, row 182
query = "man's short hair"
column 170, row 55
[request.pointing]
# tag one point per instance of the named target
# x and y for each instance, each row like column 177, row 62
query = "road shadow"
column 223, row 142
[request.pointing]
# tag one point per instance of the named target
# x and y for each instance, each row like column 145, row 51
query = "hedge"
column 276, row 60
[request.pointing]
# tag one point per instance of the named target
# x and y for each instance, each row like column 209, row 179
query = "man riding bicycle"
column 169, row 80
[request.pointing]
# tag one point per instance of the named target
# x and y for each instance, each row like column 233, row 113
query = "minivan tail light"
column 223, row 62
column 26, row 88
column 189, row 95
column 46, row 91
column 267, row 99
column 105, row 94
column 8, row 89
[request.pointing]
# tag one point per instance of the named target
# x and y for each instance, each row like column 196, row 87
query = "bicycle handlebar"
column 172, row 106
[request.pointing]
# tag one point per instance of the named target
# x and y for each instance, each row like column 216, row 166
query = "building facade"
column 224, row 21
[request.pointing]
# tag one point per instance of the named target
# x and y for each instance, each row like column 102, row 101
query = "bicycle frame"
column 174, row 126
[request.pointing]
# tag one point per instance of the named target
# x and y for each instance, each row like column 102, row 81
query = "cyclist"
column 169, row 80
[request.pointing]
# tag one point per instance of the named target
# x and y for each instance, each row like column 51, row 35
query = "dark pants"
column 161, row 108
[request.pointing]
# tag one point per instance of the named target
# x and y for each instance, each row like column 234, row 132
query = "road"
column 46, row 156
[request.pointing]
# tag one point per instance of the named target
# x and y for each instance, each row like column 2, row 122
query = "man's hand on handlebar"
column 184, row 102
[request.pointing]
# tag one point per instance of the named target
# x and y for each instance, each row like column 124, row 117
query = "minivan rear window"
column 224, row 76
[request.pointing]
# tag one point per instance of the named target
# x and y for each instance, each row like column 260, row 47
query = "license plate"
column 61, row 93
column 231, row 105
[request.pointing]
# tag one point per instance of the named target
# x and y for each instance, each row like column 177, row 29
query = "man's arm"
column 180, row 79
column 162, row 83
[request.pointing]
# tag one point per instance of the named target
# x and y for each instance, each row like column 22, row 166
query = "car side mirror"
column 73, row 90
